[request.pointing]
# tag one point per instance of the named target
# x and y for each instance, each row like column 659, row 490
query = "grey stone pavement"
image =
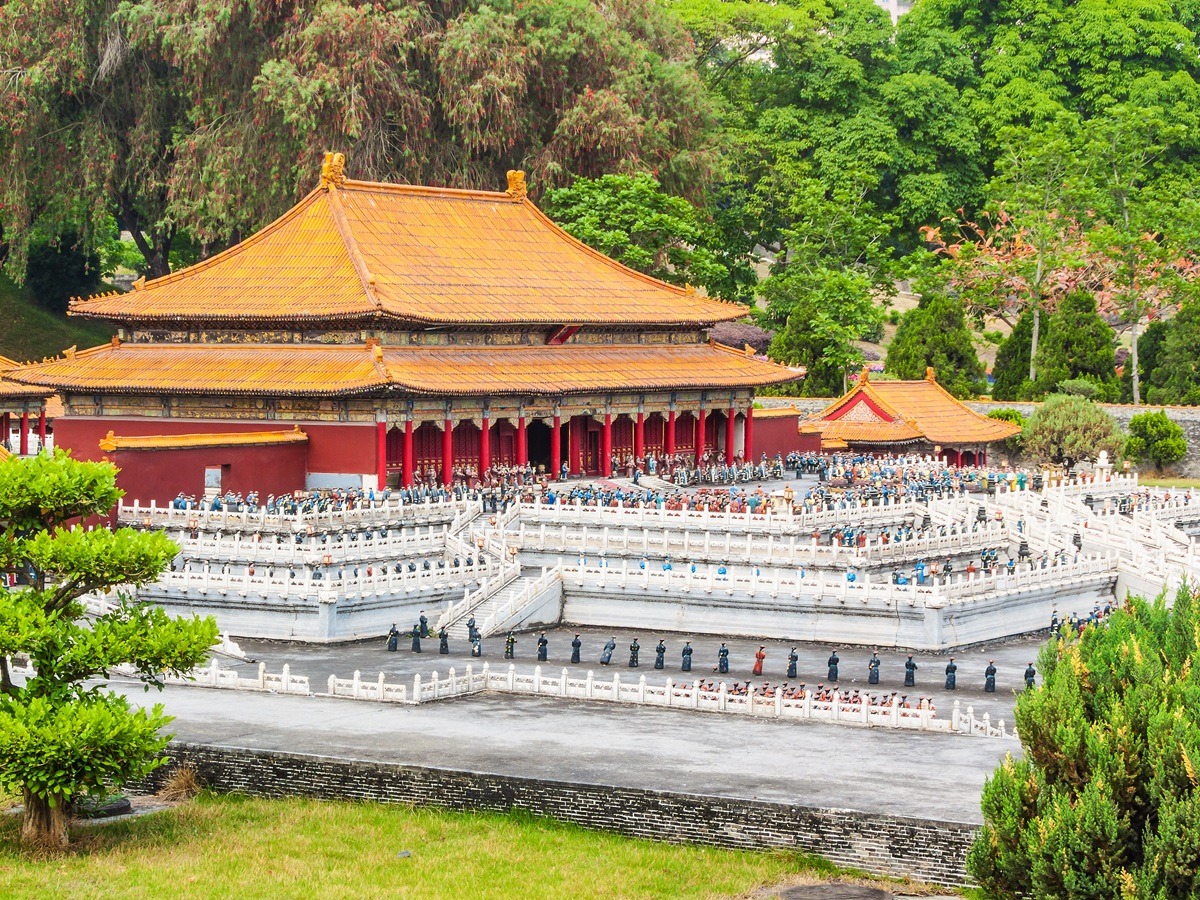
column 904, row 773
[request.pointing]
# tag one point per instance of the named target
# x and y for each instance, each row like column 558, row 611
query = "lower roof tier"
column 343, row 371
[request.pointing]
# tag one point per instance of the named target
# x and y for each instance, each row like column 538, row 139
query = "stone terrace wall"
column 886, row 845
column 1188, row 418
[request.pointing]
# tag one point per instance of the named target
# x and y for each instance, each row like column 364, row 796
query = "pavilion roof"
column 356, row 251
column 341, row 370
column 15, row 390
column 877, row 412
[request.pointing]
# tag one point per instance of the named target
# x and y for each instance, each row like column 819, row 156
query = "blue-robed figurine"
column 634, row 649
column 1030, row 674
column 607, row 652
column 951, row 676
column 989, row 677
column 660, row 655
column 472, row 631
column 873, row 668
column 910, row 672
column 687, row 656
column 393, row 639
column 424, row 623
column 416, row 639
column 723, row 660
column 443, row 641
column 793, row 658
column 542, row 644
column 575, row 647
column 477, row 645
column 510, row 646
column 832, row 662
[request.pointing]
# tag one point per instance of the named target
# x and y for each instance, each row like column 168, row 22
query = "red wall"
column 777, row 434
column 271, row 469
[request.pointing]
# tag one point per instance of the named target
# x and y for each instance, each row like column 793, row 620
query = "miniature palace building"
column 383, row 333
column 904, row 417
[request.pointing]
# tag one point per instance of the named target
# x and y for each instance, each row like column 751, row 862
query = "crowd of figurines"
column 845, row 481
column 798, row 691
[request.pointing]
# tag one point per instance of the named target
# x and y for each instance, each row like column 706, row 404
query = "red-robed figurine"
column 758, row 660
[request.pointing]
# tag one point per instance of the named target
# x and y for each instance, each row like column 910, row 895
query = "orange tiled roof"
column 15, row 390
column 917, row 408
column 112, row 442
column 339, row 370
column 355, row 250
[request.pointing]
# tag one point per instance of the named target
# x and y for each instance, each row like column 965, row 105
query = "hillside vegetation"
column 28, row 332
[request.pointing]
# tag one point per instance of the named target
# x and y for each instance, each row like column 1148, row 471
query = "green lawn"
column 253, row 848
column 28, row 332
column 1150, row 481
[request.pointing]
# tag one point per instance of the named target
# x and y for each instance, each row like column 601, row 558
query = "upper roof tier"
column 360, row 251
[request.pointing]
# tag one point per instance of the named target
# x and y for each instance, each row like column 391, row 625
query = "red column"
column 573, row 429
column 25, row 433
column 485, row 444
column 448, row 452
column 522, row 443
column 700, row 434
column 42, row 429
column 730, row 421
column 382, row 455
column 5, row 430
column 669, row 437
column 748, row 435
column 639, row 436
column 606, row 447
column 409, row 458
column 556, row 446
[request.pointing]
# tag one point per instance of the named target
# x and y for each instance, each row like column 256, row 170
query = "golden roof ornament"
column 929, row 375
column 333, row 170
column 516, row 184
column 865, row 375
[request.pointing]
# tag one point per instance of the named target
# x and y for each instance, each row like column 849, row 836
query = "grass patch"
column 1169, row 482
column 30, row 332
column 230, row 846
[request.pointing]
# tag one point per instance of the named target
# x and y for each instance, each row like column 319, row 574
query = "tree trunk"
column 1133, row 361
column 44, row 827
column 1033, row 342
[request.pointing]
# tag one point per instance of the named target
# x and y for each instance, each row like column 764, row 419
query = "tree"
column 61, row 738
column 1105, row 800
column 1080, row 346
column 1016, row 417
column 1176, row 376
column 150, row 111
column 1066, row 429
column 1154, row 438
column 935, row 333
column 1010, row 374
column 59, row 270
column 629, row 218
column 1151, row 344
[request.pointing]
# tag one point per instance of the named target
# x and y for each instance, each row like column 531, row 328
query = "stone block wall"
column 886, row 845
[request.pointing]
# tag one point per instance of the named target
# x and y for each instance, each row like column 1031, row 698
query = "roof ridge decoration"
column 516, row 184
column 333, row 171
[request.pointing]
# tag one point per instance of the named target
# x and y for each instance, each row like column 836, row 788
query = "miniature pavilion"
column 382, row 333
column 21, row 404
column 904, row 417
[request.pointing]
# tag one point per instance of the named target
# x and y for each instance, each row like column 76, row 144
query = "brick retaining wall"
column 885, row 845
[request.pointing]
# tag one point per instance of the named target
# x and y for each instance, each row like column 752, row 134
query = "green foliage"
column 936, row 334
column 1010, row 374
column 828, row 311
column 1013, row 444
column 630, row 218
column 1066, row 429
column 1175, row 377
column 30, row 332
column 1154, row 438
column 60, row 737
column 59, row 269
column 1078, row 347
column 1105, row 799
column 1151, row 344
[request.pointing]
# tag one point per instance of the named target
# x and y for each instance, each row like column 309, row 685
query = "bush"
column 1104, row 801
column 1067, row 429
column 1154, row 438
column 936, row 334
column 58, row 270
column 1012, row 445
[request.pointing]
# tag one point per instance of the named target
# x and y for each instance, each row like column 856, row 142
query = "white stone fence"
column 370, row 581
column 487, row 589
column 769, row 549
column 529, row 593
column 391, row 512
column 751, row 581
column 667, row 693
column 311, row 550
